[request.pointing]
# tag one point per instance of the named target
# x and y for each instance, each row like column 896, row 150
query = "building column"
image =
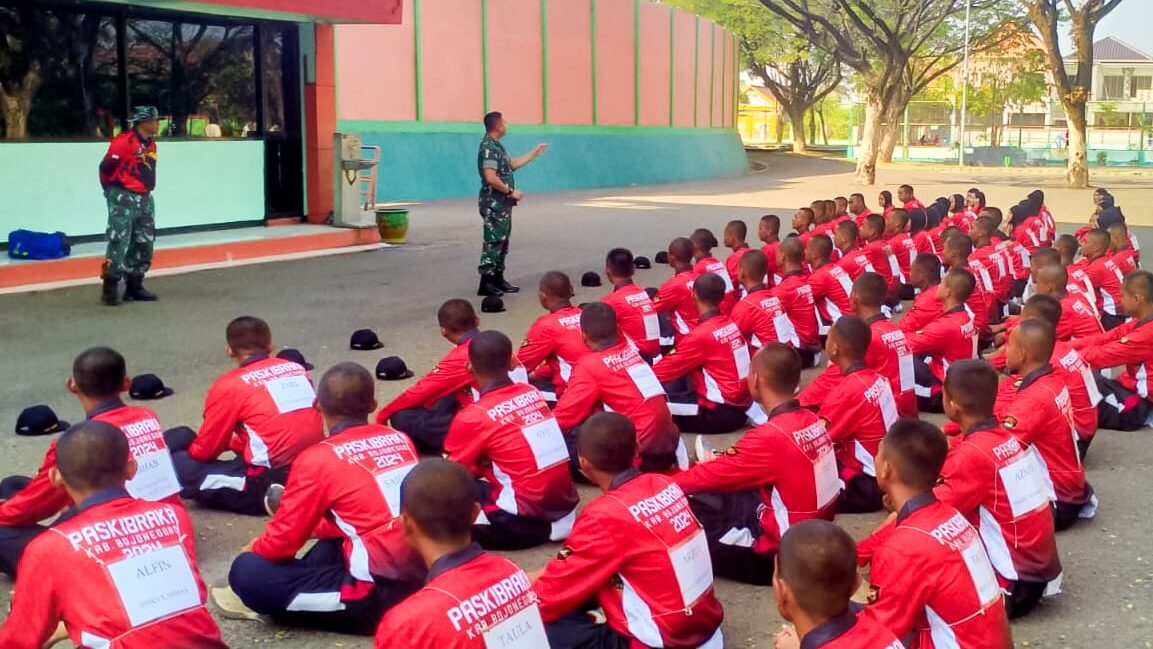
column 320, row 124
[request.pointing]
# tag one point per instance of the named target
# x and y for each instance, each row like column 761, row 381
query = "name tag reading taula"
column 155, row 477
column 155, row 584
column 389, row 484
column 291, row 393
column 522, row 630
column 1025, row 484
column 546, row 442
column 645, row 380
column 692, row 567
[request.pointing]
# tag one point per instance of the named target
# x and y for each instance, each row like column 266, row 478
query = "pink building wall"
column 377, row 64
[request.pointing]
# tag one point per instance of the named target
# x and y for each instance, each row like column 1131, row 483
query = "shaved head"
column 818, row 561
column 681, row 248
column 556, row 284
column 754, row 264
column 709, row 289
column 1042, row 307
column 852, row 337
column 439, row 497
column 962, row 283
column 778, row 367
column 599, row 323
column 871, row 290
column 972, row 385
column 1036, row 339
column 92, row 455
column 793, row 250
column 1052, row 279
column 346, row 391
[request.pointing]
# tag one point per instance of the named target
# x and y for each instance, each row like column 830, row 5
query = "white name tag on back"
column 741, row 358
column 645, row 380
column 546, row 442
column 652, row 327
column 693, row 567
column 1024, row 481
column 981, row 571
column 389, row 483
column 826, row 477
column 908, row 377
column 155, row 585
column 291, row 393
column 522, row 630
column 155, row 477
column 785, row 332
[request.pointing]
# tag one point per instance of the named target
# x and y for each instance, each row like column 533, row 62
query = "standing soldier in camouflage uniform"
column 128, row 176
column 497, row 197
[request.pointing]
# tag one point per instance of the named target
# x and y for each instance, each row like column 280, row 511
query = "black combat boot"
column 489, row 286
column 503, row 284
column 110, row 295
column 135, row 291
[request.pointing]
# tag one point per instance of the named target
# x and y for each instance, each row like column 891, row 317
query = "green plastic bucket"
column 393, row 224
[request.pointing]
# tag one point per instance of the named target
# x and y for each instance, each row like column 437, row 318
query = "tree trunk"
column 797, row 120
column 780, row 125
column 870, row 140
column 894, row 127
column 1078, row 174
column 16, row 104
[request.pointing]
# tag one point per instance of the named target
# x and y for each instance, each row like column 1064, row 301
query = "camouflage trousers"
column 131, row 233
column 497, row 218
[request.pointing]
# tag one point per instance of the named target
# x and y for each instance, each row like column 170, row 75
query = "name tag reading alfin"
column 155, row 584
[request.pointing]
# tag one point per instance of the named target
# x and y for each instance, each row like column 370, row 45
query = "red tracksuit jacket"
column 267, row 404
column 924, row 310
column 620, row 379
column 932, row 579
column 121, row 573
column 658, row 587
column 155, row 476
column 352, row 481
column 1106, row 278
column 796, row 296
column 906, row 251
column 510, row 437
column 1125, row 259
column 998, row 264
column 1080, row 278
column 636, row 316
column 858, row 411
column 473, row 600
column 884, row 262
column 1078, row 318
column 1001, row 486
column 856, row 263
column 789, row 460
column 762, row 320
column 950, row 338
column 716, row 360
column 1131, row 345
column 130, row 163
column 889, row 354
column 555, row 340
column 1078, row 375
column 851, row 631
column 675, row 296
column 831, row 287
column 984, row 297
column 714, row 266
column 733, row 263
column 1038, row 411
column 773, row 272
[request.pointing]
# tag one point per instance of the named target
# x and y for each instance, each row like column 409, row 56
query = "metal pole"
column 964, row 87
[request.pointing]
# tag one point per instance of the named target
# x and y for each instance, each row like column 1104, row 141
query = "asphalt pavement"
column 314, row 304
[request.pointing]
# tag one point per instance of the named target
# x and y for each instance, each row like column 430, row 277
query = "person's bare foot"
column 60, row 635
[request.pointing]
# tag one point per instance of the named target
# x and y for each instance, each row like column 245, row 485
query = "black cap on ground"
column 294, row 355
column 590, row 279
column 393, row 368
column 642, row 262
column 661, row 257
column 146, row 387
column 364, row 340
column 39, row 420
column 492, row 304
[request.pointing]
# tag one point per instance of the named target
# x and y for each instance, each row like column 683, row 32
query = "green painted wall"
column 423, row 161
column 50, row 186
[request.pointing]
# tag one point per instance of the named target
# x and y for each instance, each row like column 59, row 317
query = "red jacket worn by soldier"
column 266, row 403
column 155, row 476
column 789, row 460
column 121, row 573
column 716, row 360
column 675, row 297
column 1036, row 408
column 636, row 316
column 858, row 411
column 473, row 600
column 931, row 579
column 554, row 340
column 656, row 588
column 831, row 288
column 1000, row 485
column 762, row 320
column 619, row 379
column 797, row 297
column 130, row 163
column 352, row 481
column 1131, row 345
column 950, row 338
column 509, row 437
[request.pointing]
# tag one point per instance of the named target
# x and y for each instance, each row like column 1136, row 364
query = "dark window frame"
column 120, row 15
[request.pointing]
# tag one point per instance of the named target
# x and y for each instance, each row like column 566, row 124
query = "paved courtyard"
column 314, row 304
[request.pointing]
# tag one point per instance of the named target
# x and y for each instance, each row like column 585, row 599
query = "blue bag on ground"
column 26, row 244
